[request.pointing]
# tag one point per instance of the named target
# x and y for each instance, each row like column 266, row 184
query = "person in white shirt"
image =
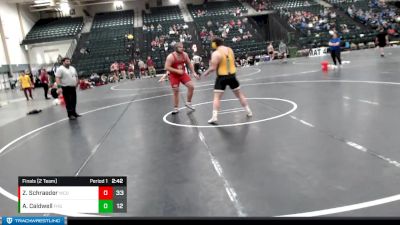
column 283, row 51
column 271, row 51
column 196, row 61
column 67, row 80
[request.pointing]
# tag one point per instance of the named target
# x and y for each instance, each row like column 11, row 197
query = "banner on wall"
column 318, row 52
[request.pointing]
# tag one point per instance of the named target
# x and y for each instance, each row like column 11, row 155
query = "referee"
column 67, row 80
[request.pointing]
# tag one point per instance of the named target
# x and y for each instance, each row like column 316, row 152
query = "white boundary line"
column 346, row 208
column 234, row 124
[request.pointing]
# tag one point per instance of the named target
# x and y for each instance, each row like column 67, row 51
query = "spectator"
column 196, row 62
column 239, row 23
column 44, row 79
column 150, row 67
column 114, row 68
column 173, row 43
column 131, row 70
column 26, row 85
column 166, row 46
column 142, row 67
column 122, row 69
column 283, row 51
column 270, row 50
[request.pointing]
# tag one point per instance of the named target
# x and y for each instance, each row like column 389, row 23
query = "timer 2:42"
column 117, row 181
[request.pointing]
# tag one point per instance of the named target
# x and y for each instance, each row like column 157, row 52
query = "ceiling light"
column 41, row 1
column 118, row 3
column 64, row 6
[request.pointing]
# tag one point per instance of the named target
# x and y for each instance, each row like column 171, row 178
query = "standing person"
column 283, row 51
column 175, row 65
column 67, row 80
column 142, row 68
column 334, row 44
column 223, row 61
column 382, row 40
column 271, row 51
column 26, row 85
column 44, row 79
column 150, row 67
column 114, row 68
column 196, row 61
column 122, row 68
column 131, row 70
column 27, row 72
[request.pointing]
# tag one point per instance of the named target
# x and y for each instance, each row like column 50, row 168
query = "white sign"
column 318, row 52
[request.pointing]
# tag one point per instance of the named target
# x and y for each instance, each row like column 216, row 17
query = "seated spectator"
column 166, row 46
column 151, row 67
column 142, row 67
column 173, row 43
column 392, row 32
column 239, row 23
column 131, row 70
column 224, row 34
column 249, row 35
column 237, row 62
column 84, row 84
column 238, row 12
column 202, row 68
column 250, row 60
column 271, row 51
column 232, row 23
column 159, row 28
column 171, row 31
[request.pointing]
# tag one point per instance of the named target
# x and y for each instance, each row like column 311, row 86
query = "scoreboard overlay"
column 72, row 194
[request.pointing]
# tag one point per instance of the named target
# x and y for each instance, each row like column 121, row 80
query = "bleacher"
column 216, row 8
column 318, row 35
column 48, row 30
column 107, row 42
column 286, row 4
column 378, row 13
column 223, row 12
column 161, row 14
column 166, row 17
column 260, row 5
column 104, row 20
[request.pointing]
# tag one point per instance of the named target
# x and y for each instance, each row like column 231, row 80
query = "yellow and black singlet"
column 227, row 64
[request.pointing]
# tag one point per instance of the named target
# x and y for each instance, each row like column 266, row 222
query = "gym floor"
column 319, row 143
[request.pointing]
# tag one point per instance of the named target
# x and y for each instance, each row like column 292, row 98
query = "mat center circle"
column 251, row 121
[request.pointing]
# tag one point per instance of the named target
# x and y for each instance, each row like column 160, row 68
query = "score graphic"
column 112, row 200
column 72, row 195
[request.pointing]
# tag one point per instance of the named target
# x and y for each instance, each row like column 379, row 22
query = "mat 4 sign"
column 318, row 52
